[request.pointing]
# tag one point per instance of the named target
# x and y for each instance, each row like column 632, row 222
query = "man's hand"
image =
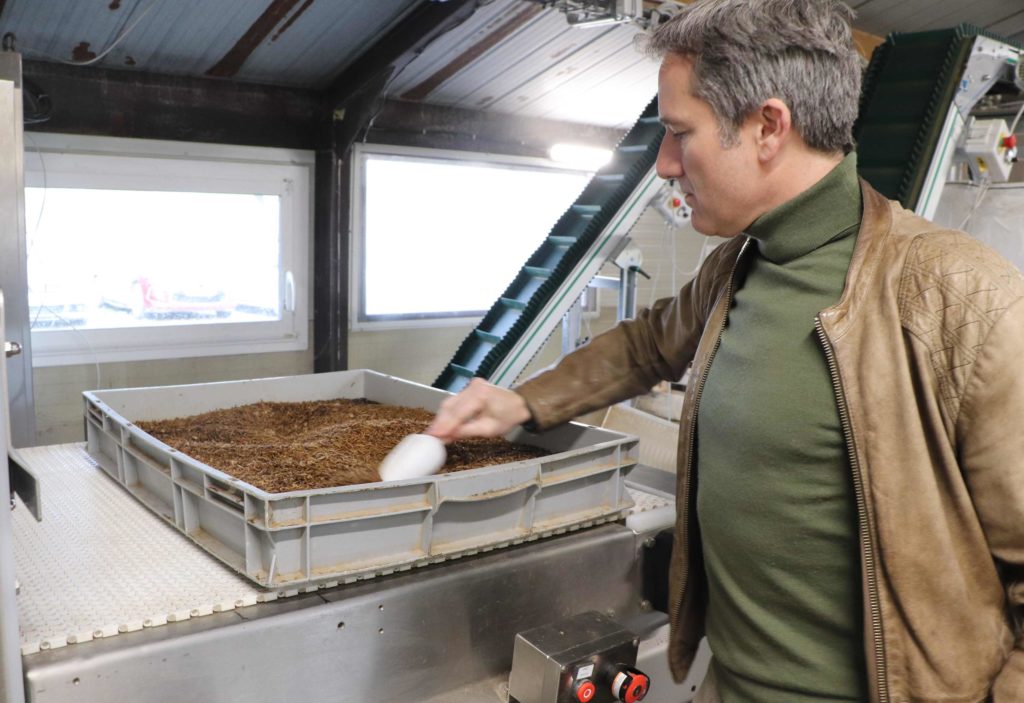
column 480, row 410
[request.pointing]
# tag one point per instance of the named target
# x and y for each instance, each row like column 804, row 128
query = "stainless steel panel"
column 405, row 637
column 14, row 255
column 25, row 484
column 551, row 662
column 652, row 659
column 11, row 686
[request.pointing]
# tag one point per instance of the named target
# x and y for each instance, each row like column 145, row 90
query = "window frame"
column 358, row 320
column 60, row 161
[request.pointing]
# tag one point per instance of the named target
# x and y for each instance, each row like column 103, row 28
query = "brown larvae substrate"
column 280, row 447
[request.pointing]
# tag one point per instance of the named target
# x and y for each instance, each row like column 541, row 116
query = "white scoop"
column 415, row 456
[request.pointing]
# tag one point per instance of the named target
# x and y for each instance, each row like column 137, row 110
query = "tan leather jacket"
column 923, row 348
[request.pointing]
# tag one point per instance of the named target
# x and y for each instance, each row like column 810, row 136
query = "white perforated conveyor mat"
column 100, row 563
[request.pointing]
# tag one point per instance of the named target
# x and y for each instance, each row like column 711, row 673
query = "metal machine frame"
column 14, row 252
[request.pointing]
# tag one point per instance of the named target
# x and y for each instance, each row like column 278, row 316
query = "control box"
column 989, row 150
column 587, row 658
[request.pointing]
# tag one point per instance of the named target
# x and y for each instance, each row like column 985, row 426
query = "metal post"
column 12, row 687
column 14, row 256
column 571, row 328
column 627, row 294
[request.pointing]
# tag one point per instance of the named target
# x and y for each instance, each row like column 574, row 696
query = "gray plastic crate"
column 350, row 532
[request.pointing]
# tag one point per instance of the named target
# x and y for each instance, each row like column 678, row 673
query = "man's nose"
column 669, row 164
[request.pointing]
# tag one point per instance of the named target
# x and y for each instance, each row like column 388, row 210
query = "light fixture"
column 578, row 156
column 594, row 13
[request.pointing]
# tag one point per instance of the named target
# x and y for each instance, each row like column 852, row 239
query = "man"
column 850, row 484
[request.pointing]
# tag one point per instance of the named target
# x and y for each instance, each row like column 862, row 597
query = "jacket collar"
column 875, row 230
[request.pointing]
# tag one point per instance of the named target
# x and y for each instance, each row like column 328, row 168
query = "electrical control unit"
column 587, row 658
column 989, row 150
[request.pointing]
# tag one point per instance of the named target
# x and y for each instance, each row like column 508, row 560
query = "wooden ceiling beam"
column 104, row 102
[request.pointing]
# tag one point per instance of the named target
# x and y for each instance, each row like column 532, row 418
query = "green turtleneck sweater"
column 775, row 496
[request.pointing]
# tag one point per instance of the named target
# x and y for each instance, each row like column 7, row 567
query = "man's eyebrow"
column 670, row 125
column 670, row 122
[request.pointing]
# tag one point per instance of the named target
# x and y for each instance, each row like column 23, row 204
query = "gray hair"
column 746, row 51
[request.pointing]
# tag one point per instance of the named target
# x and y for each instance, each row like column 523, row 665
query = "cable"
column 99, row 57
column 982, row 191
column 38, row 106
column 700, row 257
column 382, row 98
column 670, row 238
column 1016, row 119
column 39, row 218
column 652, row 295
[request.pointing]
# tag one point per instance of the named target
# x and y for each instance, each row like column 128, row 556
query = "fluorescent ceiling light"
column 585, row 158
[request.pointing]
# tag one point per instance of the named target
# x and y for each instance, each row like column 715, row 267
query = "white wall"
column 58, row 389
column 414, row 354
column 421, row 354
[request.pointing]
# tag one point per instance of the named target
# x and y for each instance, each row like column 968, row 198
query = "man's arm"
column 991, row 448
column 619, row 364
column 633, row 356
column 480, row 410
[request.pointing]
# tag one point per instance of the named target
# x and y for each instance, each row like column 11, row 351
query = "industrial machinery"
column 586, row 658
column 116, row 604
column 918, row 113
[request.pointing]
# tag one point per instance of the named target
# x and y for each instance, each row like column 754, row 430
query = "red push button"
column 630, row 685
column 1010, row 141
column 584, row 691
column 637, row 689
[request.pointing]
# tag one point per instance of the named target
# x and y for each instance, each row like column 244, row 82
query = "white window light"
column 587, row 158
column 142, row 249
column 438, row 235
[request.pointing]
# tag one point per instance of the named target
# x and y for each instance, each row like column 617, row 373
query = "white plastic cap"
column 415, row 456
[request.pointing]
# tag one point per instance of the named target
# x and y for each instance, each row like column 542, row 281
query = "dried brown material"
column 280, row 447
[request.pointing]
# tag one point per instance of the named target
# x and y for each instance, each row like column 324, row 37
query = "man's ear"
column 774, row 124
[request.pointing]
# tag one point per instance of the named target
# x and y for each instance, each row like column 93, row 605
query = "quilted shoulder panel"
column 952, row 290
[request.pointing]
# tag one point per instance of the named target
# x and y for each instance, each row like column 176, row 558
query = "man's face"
column 718, row 182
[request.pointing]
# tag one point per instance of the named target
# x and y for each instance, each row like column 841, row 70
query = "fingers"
column 480, row 410
column 455, row 412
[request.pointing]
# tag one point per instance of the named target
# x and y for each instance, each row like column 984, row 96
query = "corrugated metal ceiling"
column 511, row 56
column 300, row 43
column 1002, row 17
column 538, row 66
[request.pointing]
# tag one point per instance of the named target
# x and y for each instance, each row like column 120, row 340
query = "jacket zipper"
column 862, row 514
column 677, row 604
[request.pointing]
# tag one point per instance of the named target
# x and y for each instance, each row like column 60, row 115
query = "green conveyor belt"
column 909, row 86
column 565, row 246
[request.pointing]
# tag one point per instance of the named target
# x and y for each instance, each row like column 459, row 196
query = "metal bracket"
column 990, row 62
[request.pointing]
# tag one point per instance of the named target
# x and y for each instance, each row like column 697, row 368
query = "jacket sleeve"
column 634, row 355
column 990, row 439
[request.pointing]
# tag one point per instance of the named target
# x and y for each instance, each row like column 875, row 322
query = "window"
column 140, row 249
column 439, row 235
